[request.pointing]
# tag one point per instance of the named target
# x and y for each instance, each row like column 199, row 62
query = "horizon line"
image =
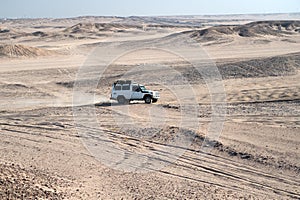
column 180, row 15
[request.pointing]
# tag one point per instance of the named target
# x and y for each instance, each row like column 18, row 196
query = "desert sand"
column 133, row 151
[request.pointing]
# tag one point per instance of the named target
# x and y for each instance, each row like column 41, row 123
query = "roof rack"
column 121, row 82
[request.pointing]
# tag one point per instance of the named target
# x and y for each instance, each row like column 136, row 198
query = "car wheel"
column 121, row 100
column 148, row 99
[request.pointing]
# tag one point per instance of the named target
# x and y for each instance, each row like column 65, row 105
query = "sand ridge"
column 18, row 50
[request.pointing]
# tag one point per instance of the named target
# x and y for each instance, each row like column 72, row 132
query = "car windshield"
column 143, row 88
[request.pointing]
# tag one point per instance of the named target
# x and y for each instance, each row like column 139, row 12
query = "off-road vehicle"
column 125, row 91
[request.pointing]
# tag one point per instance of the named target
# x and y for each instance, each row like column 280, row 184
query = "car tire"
column 148, row 99
column 121, row 100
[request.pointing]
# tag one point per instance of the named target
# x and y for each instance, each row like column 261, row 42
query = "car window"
column 135, row 88
column 143, row 88
column 118, row 87
column 126, row 87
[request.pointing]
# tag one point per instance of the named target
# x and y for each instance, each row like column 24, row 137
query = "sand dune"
column 273, row 66
column 39, row 33
column 98, row 27
column 18, row 50
column 277, row 66
column 4, row 30
column 254, row 29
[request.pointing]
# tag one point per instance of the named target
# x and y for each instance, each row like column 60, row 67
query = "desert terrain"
column 63, row 138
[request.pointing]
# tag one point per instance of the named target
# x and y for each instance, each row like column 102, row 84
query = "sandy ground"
column 101, row 150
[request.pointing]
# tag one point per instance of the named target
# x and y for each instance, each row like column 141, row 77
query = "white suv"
column 125, row 91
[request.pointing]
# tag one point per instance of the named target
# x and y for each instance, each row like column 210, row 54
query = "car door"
column 136, row 92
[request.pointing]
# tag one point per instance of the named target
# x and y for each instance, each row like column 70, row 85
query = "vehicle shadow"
column 107, row 104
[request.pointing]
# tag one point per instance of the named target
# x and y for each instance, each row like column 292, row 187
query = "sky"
column 74, row 8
